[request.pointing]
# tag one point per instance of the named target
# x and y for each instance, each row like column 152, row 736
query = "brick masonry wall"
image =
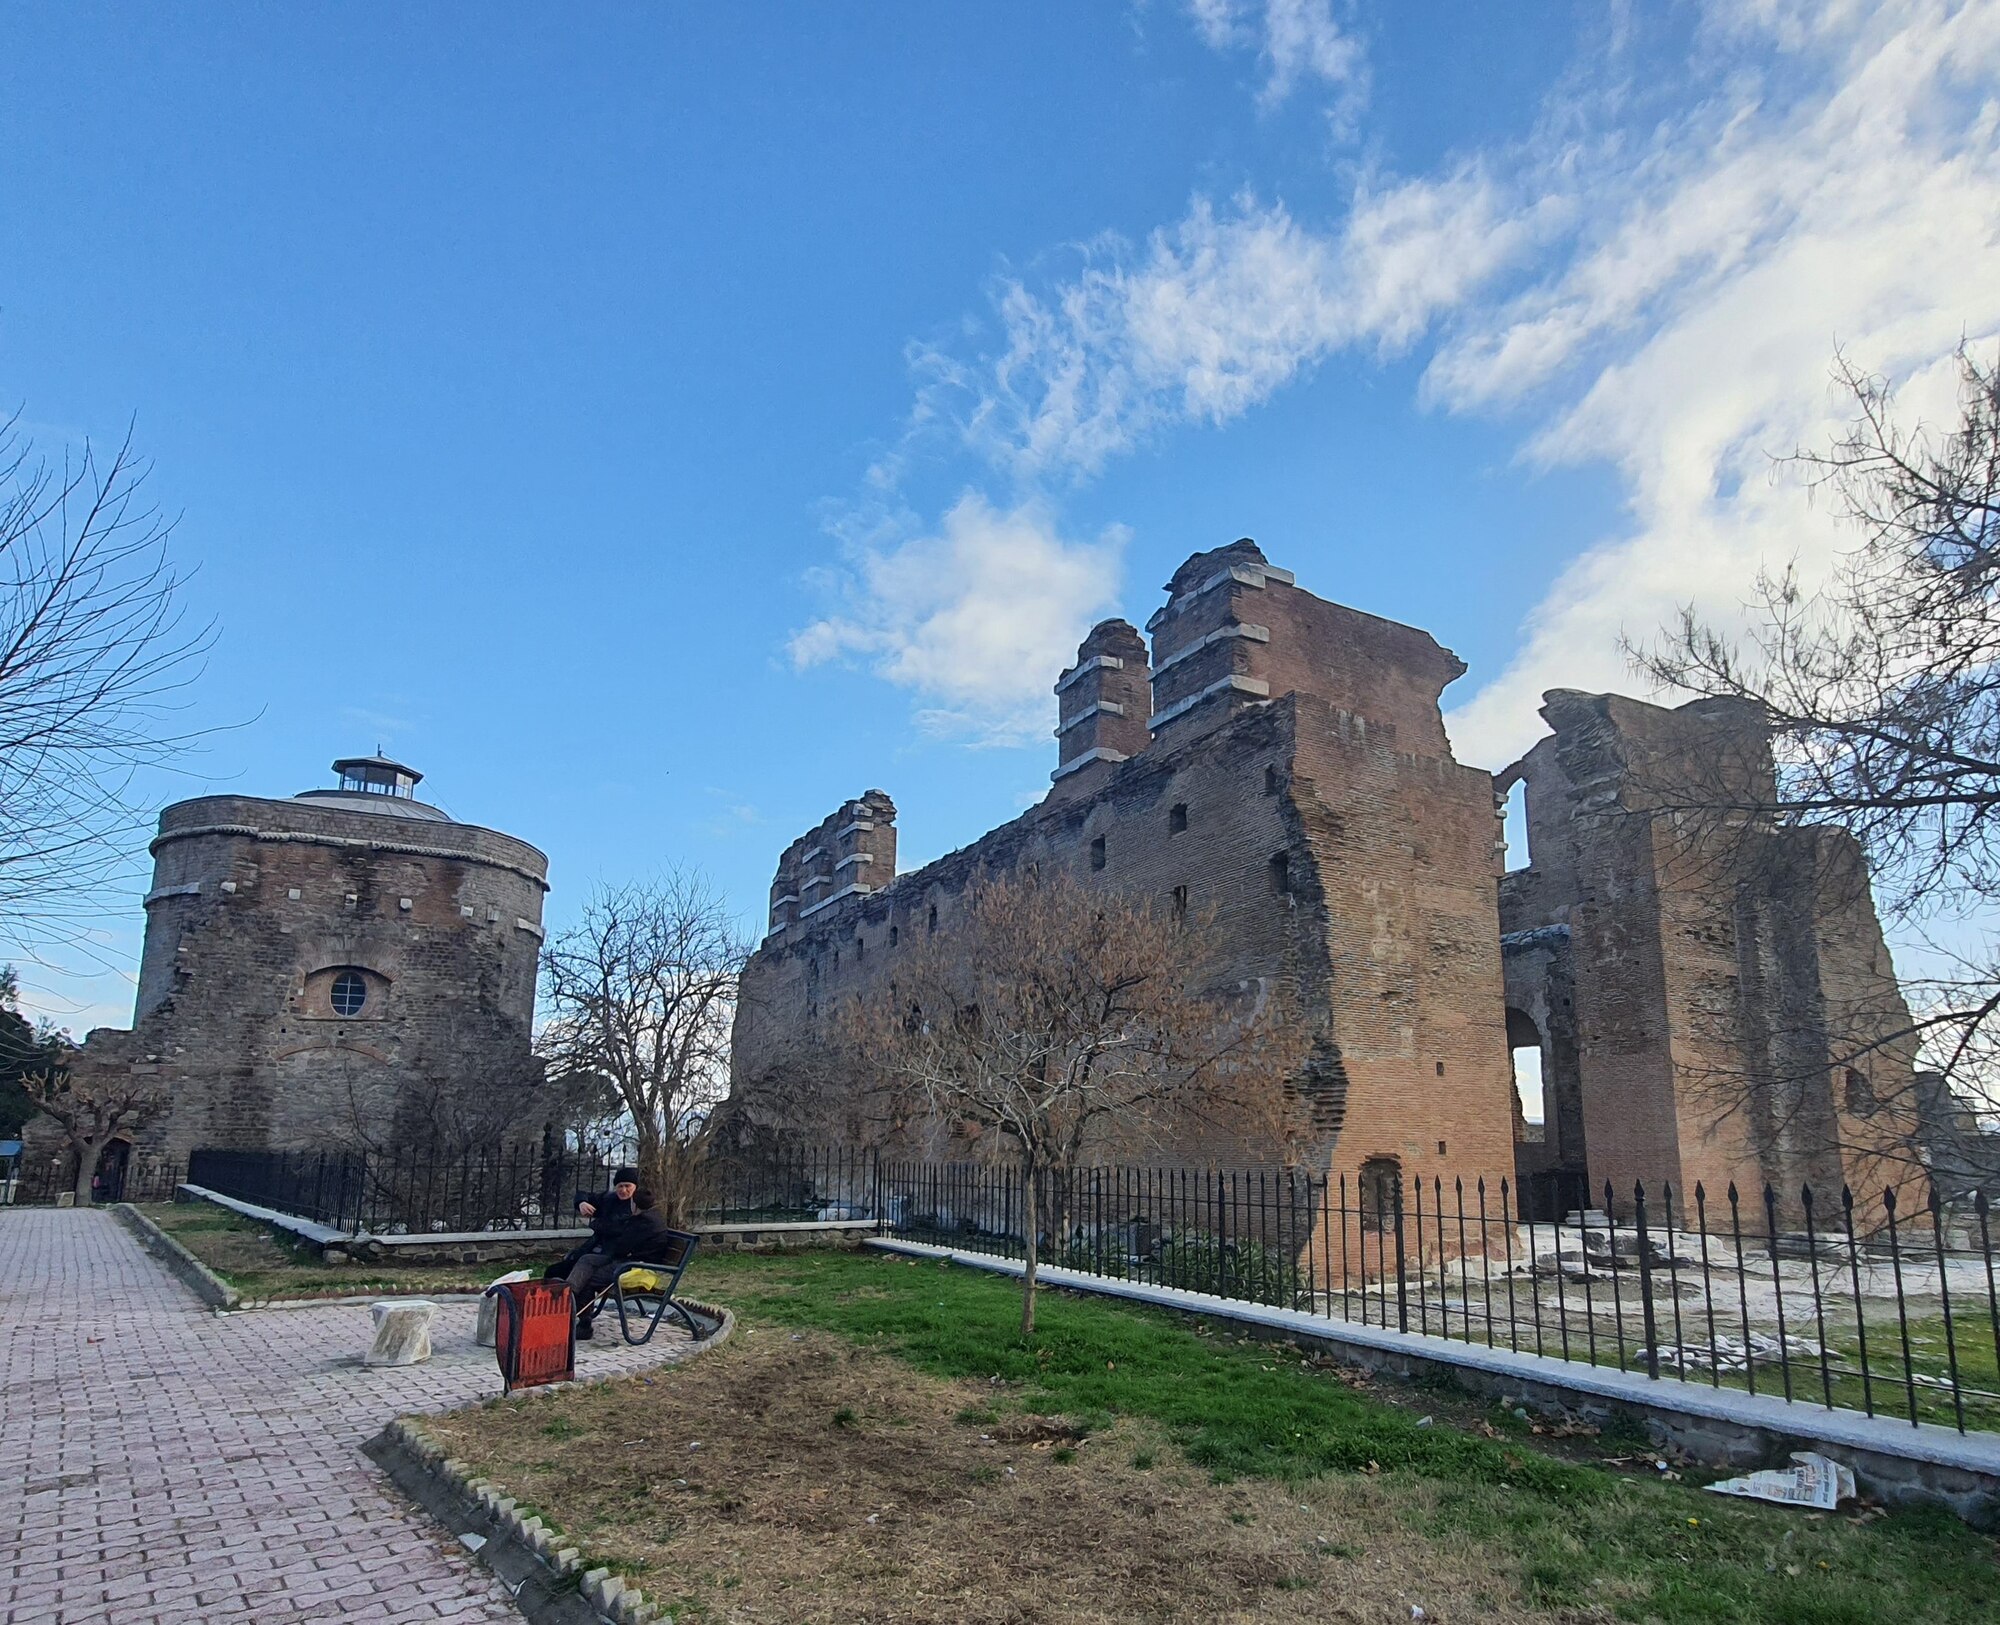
column 1339, row 858
column 1718, row 968
column 256, row 904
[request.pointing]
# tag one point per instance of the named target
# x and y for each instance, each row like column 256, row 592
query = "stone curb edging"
column 196, row 1276
column 572, row 1590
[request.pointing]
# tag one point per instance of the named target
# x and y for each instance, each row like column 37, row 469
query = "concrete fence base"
column 1897, row 1463
column 506, row 1246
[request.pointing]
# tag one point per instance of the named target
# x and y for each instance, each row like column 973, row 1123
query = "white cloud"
column 1295, row 41
column 978, row 616
column 1689, row 341
column 1216, row 313
column 1655, row 282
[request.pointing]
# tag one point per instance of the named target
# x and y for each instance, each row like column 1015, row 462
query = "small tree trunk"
column 1031, row 1224
column 88, row 1152
column 654, row 1173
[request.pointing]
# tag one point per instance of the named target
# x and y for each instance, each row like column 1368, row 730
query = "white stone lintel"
column 1083, row 668
column 161, row 893
column 1100, row 754
column 858, row 857
column 1109, row 708
column 855, row 890
column 1222, row 634
column 1247, row 575
column 1256, row 687
column 814, row 852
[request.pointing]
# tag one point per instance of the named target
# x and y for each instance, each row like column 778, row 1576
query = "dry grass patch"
column 793, row 1476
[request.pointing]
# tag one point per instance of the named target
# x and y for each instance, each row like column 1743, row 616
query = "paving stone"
column 175, row 1465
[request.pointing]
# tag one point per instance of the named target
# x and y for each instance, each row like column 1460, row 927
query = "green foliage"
column 1571, row 1538
column 23, row 1052
column 1236, row 1269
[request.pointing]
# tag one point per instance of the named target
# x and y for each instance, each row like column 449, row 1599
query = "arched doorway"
column 113, row 1165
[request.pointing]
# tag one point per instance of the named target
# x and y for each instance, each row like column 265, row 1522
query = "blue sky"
column 661, row 423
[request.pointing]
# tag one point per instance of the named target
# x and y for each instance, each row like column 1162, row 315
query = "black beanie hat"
column 626, row 1176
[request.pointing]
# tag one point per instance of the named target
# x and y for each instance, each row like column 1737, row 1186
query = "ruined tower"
column 348, row 966
column 1105, row 702
column 1278, row 770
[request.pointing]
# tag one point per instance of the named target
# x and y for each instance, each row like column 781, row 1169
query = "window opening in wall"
column 893, row 935
column 836, row 959
column 1177, row 818
column 1280, row 868
column 1180, row 903
column 1527, row 1060
column 1859, row 1094
column 933, row 920
column 1514, row 830
column 1270, row 781
column 1380, row 1192
column 860, row 947
column 1097, row 853
column 350, row 993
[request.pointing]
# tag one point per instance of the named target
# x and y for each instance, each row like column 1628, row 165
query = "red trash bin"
column 534, row 1334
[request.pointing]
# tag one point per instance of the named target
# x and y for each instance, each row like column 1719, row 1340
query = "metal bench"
column 642, row 1307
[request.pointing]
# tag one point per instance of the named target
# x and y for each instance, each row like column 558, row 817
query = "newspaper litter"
column 1812, row 1481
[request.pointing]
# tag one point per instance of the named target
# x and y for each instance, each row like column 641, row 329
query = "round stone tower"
column 347, row 967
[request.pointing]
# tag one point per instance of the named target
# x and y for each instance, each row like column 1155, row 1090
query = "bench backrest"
column 669, row 1255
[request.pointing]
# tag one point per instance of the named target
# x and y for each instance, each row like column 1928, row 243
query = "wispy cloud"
column 1655, row 282
column 1214, row 314
column 1296, row 42
column 977, row 615
column 1845, row 191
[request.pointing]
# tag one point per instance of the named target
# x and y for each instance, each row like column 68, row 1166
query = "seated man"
column 606, row 1211
column 635, row 1236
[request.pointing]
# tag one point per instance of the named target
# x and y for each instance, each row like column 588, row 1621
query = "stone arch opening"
column 1379, row 1192
column 1525, row 1052
column 1514, row 826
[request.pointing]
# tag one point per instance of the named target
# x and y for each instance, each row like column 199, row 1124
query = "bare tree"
column 94, row 647
column 94, row 1110
column 1882, row 691
column 641, row 992
column 1051, row 1019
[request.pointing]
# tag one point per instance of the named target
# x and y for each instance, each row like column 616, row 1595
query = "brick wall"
column 1298, row 798
column 255, row 907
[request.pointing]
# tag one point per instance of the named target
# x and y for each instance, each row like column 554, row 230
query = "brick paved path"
column 160, row 1463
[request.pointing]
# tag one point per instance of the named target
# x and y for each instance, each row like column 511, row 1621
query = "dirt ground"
column 791, row 1476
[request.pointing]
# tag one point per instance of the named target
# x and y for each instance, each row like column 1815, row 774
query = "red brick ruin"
column 1694, row 984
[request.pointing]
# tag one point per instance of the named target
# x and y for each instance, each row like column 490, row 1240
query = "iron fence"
column 1858, row 1303
column 39, row 1180
column 523, row 1187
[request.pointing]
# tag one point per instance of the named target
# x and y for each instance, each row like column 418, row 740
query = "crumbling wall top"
column 849, row 853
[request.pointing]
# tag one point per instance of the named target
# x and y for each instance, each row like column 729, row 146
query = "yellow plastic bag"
column 636, row 1280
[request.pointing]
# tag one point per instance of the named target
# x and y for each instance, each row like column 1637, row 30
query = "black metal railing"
column 40, row 1180
column 1887, row 1305
column 524, row 1187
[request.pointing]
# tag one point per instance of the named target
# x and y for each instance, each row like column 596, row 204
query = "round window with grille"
column 350, row 993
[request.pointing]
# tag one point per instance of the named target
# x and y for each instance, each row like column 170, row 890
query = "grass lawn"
column 878, row 1444
column 264, row 1263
